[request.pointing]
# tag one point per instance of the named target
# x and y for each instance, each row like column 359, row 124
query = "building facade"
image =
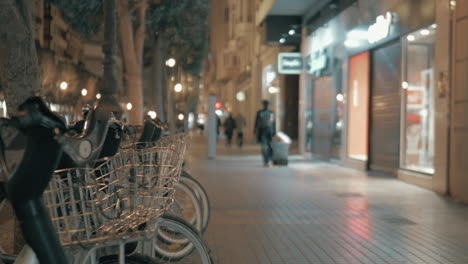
column 378, row 93
column 241, row 66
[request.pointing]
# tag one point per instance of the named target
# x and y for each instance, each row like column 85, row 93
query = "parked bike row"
column 98, row 191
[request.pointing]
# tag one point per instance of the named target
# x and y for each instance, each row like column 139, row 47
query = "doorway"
column 385, row 107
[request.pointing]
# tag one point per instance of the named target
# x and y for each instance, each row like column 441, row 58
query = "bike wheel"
column 134, row 259
column 196, row 251
column 187, row 207
column 202, row 196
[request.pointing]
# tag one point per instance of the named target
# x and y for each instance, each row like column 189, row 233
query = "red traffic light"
column 218, row 105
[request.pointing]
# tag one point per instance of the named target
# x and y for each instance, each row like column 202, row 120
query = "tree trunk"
column 159, row 71
column 19, row 70
column 109, row 85
column 19, row 79
column 132, row 49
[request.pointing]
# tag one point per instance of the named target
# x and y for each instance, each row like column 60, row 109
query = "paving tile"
column 320, row 213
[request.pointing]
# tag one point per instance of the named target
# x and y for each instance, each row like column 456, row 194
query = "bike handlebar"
column 24, row 189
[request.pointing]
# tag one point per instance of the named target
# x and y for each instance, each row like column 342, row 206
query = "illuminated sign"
column 317, row 62
column 218, row 105
column 290, row 63
column 381, row 28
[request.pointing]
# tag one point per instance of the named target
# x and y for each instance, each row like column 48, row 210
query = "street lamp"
column 129, row 106
column 171, row 62
column 152, row 114
column 84, row 92
column 63, row 85
column 178, row 88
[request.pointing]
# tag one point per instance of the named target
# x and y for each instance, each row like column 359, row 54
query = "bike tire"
column 196, row 220
column 196, row 243
column 133, row 259
column 202, row 196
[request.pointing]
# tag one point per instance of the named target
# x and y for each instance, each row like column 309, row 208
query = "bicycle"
column 47, row 131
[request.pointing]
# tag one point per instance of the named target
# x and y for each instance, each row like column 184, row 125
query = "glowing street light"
column 282, row 40
column 129, row 106
column 63, row 85
column 152, row 114
column 181, row 117
column 171, row 62
column 339, row 97
column 178, row 88
column 84, row 92
column 98, row 96
column 292, row 32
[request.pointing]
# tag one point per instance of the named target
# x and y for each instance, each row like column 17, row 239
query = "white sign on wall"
column 290, row 63
column 381, row 28
column 317, row 62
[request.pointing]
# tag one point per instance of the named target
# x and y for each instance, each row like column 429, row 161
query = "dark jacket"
column 265, row 124
column 229, row 125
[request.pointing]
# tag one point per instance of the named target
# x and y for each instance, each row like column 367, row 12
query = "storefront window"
column 418, row 82
column 309, row 118
column 358, row 103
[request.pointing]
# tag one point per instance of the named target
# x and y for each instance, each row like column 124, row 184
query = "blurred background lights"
column 84, row 92
column 98, row 96
column 180, row 117
column 178, row 88
column 63, row 85
column 240, row 96
column 152, row 114
column 339, row 97
column 129, row 106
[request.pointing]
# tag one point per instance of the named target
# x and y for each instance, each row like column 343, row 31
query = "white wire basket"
column 118, row 197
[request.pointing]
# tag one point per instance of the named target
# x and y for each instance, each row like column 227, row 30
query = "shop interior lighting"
column 98, row 96
column 292, row 32
column 411, row 37
column 404, row 85
column 358, row 34
column 152, row 114
column 178, row 88
column 181, row 117
column 434, row 26
column 352, row 43
column 270, row 76
column 425, row 32
column 282, row 40
column 129, row 106
column 63, row 85
column 273, row 89
column 84, row 92
column 339, row 97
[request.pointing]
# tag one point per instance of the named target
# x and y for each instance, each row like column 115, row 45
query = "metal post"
column 212, row 124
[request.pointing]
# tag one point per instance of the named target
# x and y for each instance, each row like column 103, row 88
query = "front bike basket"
column 116, row 198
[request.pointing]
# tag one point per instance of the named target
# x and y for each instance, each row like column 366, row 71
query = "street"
column 314, row 212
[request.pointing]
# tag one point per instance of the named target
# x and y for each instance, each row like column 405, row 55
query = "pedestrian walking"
column 229, row 126
column 265, row 129
column 241, row 123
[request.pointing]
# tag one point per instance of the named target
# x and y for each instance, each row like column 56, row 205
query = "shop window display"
column 418, row 83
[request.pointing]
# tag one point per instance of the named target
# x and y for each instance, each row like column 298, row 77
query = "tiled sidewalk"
column 320, row 213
